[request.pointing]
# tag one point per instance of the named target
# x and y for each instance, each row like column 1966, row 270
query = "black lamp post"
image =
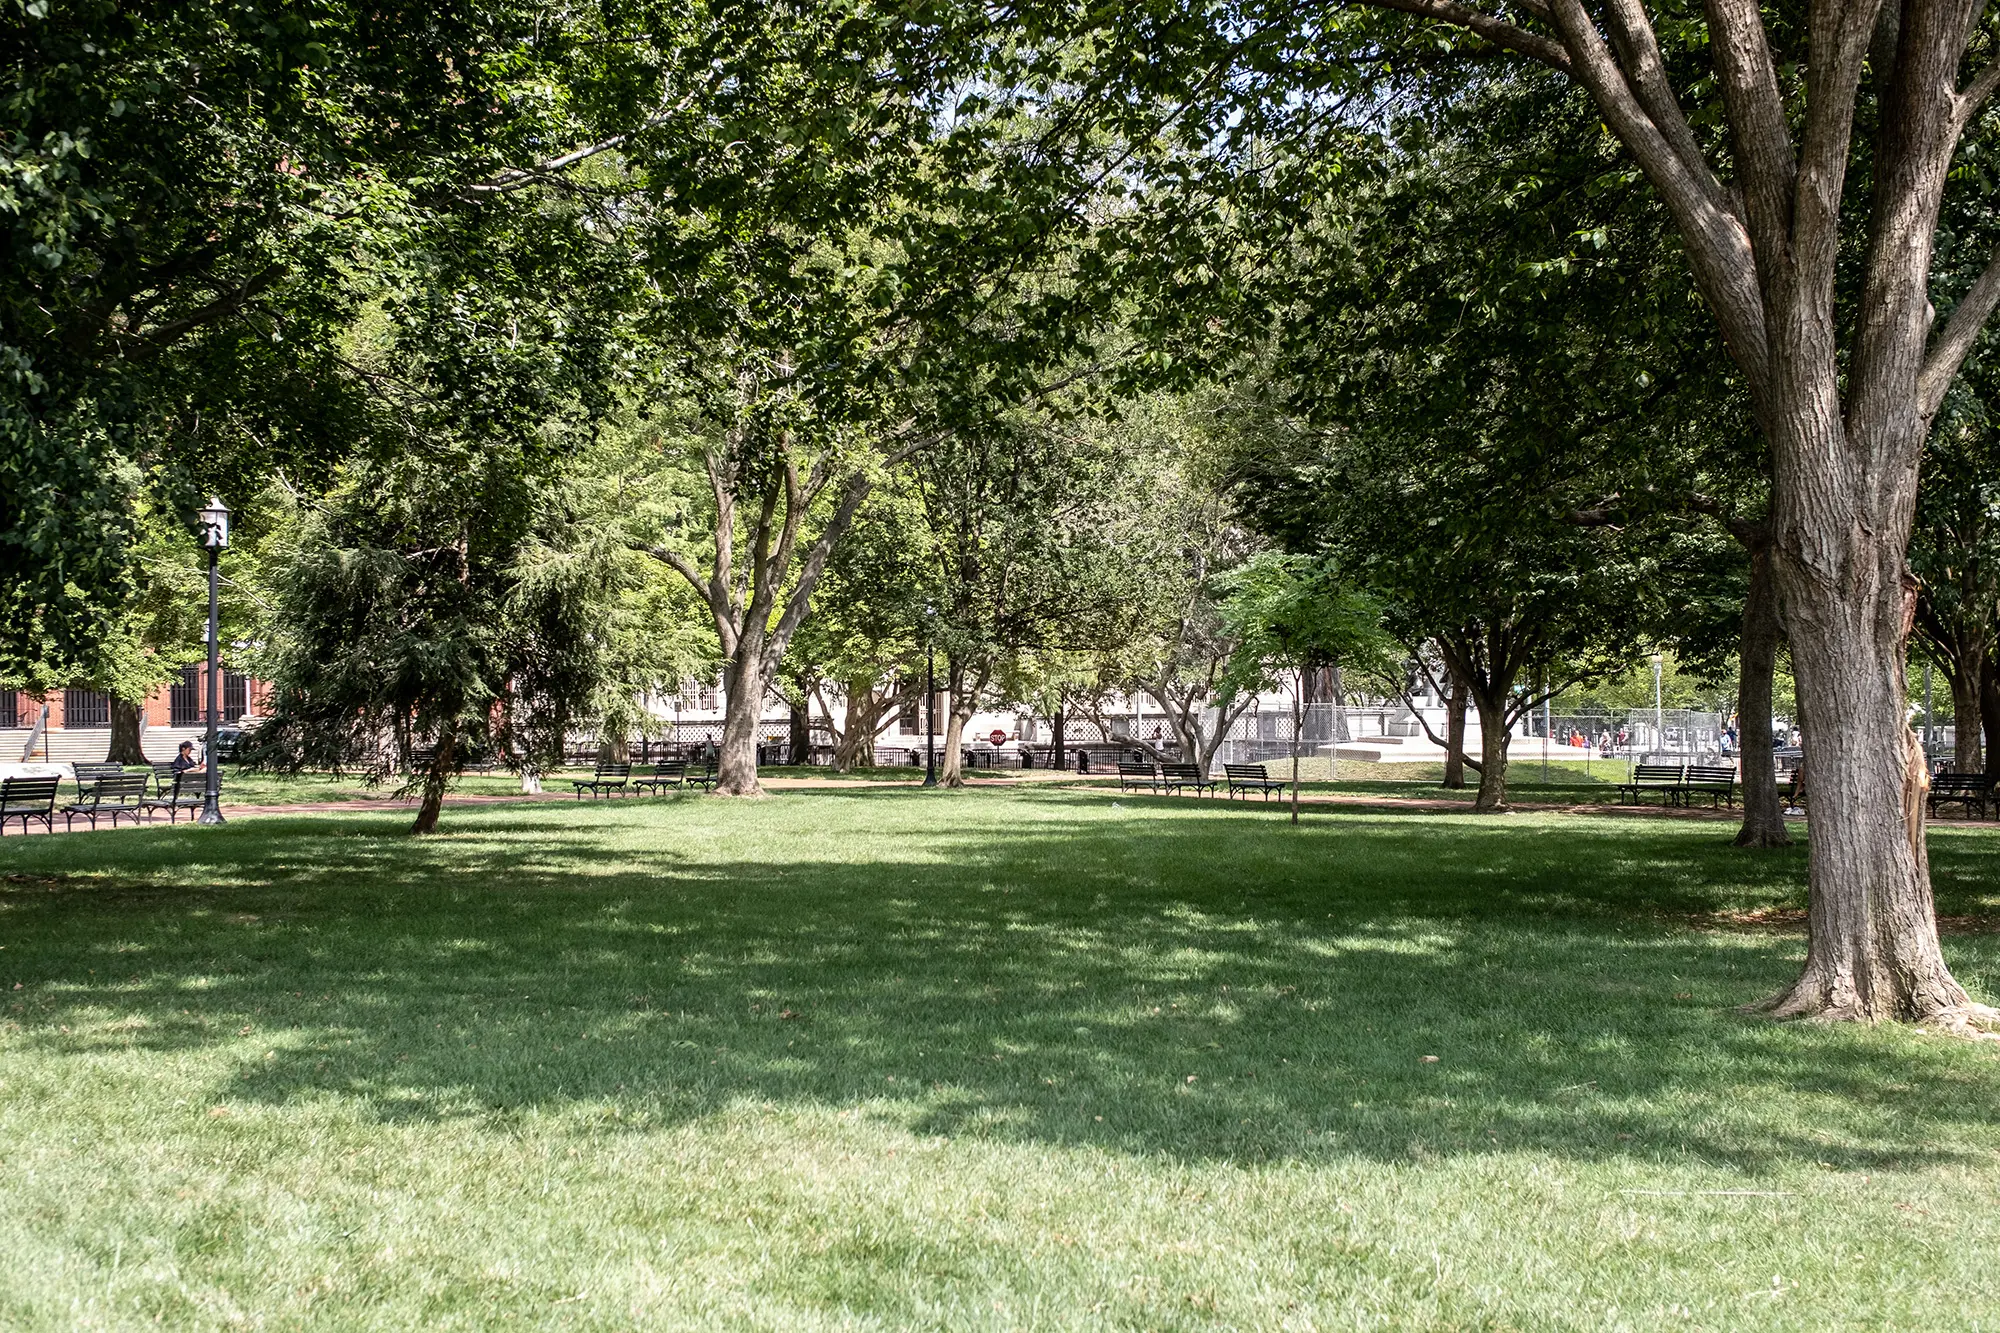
column 930, row 716
column 930, row 695
column 214, row 523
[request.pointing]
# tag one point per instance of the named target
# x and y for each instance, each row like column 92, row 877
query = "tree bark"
column 1454, row 734
column 1968, row 717
column 1056, row 740
column 866, row 707
column 742, row 712
column 800, row 738
column 126, row 747
column 964, row 703
column 1763, row 812
column 1493, row 738
column 1872, row 948
column 436, row 778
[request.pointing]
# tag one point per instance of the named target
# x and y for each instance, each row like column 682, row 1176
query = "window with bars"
column 10, row 709
column 909, row 715
column 184, row 699
column 186, row 703
column 86, row 708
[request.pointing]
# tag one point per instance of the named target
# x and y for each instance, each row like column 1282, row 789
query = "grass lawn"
column 1017, row 1058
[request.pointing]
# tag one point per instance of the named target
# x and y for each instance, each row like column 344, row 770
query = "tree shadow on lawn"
column 1154, row 978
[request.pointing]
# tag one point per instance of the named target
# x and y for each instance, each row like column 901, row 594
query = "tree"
column 1845, row 370
column 1022, row 527
column 1955, row 551
column 861, row 647
column 1181, row 530
column 191, row 187
column 1289, row 614
column 1509, row 355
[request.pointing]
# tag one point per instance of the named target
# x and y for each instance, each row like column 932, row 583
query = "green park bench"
column 607, row 780
column 29, row 798
column 1246, row 778
column 1132, row 775
column 672, row 773
column 1665, row 779
column 1179, row 777
column 1969, row 791
column 111, row 796
column 1718, row 783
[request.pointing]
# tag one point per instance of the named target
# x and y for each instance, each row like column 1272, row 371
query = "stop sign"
column 998, row 737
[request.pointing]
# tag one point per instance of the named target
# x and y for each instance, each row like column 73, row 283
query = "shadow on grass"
column 1150, row 977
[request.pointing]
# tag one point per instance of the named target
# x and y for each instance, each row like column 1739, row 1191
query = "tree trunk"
column 800, row 739
column 1298, row 689
column 1493, row 740
column 951, row 768
column 1056, row 740
column 1968, row 716
column 1763, row 812
column 865, row 707
column 1454, row 734
column 616, row 750
column 436, row 778
column 742, row 711
column 126, row 747
column 1872, row 946
column 1989, row 714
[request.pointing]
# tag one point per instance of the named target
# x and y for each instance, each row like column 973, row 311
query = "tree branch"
column 1763, row 139
column 1639, row 51
column 1494, row 29
column 1954, row 342
column 1976, row 95
column 1719, row 247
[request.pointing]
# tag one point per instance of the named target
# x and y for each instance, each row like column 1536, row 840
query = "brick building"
column 74, row 726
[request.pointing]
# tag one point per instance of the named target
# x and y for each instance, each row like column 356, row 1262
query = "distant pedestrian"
column 185, row 760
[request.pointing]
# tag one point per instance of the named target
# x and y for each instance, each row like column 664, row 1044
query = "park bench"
column 1718, row 783
column 1174, row 777
column 1249, row 778
column 112, row 795
column 607, row 779
column 673, row 773
column 1662, row 778
column 87, row 775
column 1969, row 790
column 174, row 792
column 1132, row 775
column 703, row 777
column 28, row 798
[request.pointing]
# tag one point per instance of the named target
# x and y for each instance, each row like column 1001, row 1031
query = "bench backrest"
column 20, row 793
column 1709, row 775
column 92, row 772
column 1657, row 773
column 614, row 770
column 672, row 769
column 1190, row 772
column 120, row 789
column 1960, row 782
column 1129, row 770
column 1249, row 772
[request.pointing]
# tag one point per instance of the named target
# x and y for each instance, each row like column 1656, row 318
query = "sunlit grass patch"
column 1005, row 1059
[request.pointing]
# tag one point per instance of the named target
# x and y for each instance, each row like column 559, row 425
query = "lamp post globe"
column 213, row 521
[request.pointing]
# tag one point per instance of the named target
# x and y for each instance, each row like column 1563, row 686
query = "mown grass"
column 1006, row 1059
